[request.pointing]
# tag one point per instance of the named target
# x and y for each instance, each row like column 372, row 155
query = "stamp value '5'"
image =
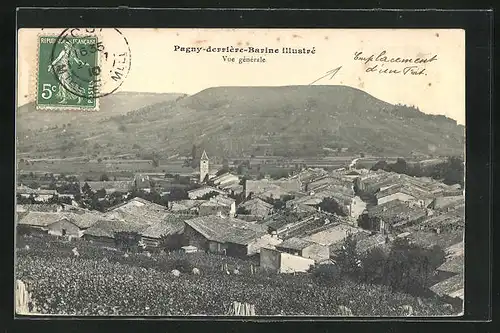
column 66, row 73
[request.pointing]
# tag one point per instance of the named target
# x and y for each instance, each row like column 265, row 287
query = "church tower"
column 203, row 166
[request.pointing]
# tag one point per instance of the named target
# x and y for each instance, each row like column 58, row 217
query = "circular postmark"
column 90, row 63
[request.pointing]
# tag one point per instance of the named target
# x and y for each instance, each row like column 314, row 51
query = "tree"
column 209, row 195
column 183, row 265
column 194, row 160
column 243, row 211
column 454, row 173
column 347, row 258
column 100, row 193
column 127, row 240
column 331, row 205
column 380, row 165
column 155, row 160
column 373, row 265
column 326, row 273
column 53, row 185
column 177, row 194
column 407, row 267
column 225, row 164
column 241, row 169
column 400, row 166
column 104, row 178
column 171, row 242
column 86, row 189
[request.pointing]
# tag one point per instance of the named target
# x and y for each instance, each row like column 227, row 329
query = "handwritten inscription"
column 383, row 63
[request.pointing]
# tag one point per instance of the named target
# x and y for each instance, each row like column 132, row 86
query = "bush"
column 326, row 273
column 183, row 265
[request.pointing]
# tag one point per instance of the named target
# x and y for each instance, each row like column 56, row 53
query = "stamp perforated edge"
column 57, row 107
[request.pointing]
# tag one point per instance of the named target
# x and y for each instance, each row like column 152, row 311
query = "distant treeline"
column 450, row 171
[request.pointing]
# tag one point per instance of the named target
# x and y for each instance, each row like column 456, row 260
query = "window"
column 64, row 232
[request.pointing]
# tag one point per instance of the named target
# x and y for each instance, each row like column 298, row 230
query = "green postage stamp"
column 68, row 73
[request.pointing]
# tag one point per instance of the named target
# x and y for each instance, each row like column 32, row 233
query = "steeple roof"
column 204, row 155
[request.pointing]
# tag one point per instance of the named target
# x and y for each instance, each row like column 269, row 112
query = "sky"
column 156, row 65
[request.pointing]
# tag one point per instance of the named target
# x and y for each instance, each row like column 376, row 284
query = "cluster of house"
column 291, row 239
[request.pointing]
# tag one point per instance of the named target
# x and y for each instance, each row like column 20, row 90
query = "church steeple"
column 204, row 156
column 204, row 166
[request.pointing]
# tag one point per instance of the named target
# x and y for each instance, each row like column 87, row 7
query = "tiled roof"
column 25, row 189
column 41, row 219
column 396, row 211
column 256, row 204
column 429, row 238
column 39, row 207
column 449, row 285
column 294, row 243
column 225, row 179
column 107, row 228
column 138, row 209
column 455, row 217
column 454, row 265
column 182, row 205
column 267, row 187
column 123, row 186
column 226, row 230
column 235, row 187
column 83, row 220
column 277, row 221
column 172, row 224
column 368, row 243
column 334, row 247
column 334, row 234
column 222, row 200
column 204, row 190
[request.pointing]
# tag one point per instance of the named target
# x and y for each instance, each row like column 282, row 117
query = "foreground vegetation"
column 105, row 282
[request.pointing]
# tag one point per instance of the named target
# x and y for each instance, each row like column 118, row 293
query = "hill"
column 28, row 118
column 233, row 121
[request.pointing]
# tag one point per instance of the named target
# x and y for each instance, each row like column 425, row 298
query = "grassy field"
column 94, row 169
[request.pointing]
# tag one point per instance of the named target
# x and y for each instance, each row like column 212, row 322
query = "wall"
column 264, row 241
column 150, row 242
column 357, row 207
column 290, row 263
column 316, row 252
column 216, row 247
column 443, row 202
column 193, row 237
column 422, row 203
column 395, row 196
column 270, row 259
column 102, row 241
column 237, row 250
column 56, row 229
column 211, row 210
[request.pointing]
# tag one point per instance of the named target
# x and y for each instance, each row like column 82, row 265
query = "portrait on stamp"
column 240, row 172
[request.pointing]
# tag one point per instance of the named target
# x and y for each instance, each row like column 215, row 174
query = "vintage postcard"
column 240, row 172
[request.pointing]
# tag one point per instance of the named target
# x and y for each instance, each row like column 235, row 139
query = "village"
column 287, row 226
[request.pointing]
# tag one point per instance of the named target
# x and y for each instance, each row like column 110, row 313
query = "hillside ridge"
column 234, row 121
